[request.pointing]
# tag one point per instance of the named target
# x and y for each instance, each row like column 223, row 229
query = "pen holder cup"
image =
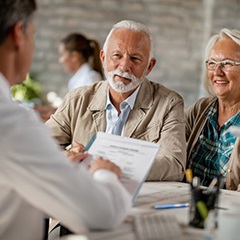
column 202, row 202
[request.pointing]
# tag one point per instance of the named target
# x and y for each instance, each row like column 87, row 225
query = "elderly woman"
column 211, row 148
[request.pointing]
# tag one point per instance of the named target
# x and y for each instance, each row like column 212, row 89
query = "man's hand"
column 77, row 147
column 101, row 163
column 75, row 153
column 76, row 156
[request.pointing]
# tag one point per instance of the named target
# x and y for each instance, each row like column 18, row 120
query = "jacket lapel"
column 134, row 119
column 97, row 107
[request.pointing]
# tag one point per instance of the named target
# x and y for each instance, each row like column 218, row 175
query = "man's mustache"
column 124, row 74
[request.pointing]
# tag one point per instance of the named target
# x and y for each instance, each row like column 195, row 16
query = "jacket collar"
column 145, row 96
column 99, row 100
column 144, row 99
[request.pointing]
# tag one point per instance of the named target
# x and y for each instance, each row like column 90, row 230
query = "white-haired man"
column 153, row 112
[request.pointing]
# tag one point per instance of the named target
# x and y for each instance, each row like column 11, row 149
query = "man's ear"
column 17, row 34
column 151, row 65
column 102, row 56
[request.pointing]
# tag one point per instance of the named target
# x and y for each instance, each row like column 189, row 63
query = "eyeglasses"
column 225, row 64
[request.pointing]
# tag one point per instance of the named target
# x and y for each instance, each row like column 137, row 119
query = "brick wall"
column 180, row 29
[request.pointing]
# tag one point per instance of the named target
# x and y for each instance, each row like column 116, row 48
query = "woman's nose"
column 218, row 70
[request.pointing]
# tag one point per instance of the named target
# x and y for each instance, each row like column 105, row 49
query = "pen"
column 168, row 206
column 212, row 186
column 221, row 208
column 196, row 183
column 189, row 175
column 202, row 209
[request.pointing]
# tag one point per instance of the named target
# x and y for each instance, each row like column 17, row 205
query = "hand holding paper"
column 101, row 163
column 134, row 157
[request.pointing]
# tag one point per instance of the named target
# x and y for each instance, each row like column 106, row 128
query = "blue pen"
column 168, row 206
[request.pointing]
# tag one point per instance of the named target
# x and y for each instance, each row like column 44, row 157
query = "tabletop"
column 153, row 193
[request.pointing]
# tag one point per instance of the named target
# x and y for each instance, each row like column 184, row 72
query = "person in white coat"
column 37, row 180
column 80, row 56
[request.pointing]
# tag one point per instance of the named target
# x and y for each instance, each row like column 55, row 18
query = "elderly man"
column 36, row 179
column 127, row 103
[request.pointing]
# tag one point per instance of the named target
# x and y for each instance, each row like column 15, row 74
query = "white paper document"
column 134, row 157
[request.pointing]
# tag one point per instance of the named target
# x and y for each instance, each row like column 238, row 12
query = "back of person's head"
column 133, row 26
column 89, row 49
column 12, row 12
column 224, row 33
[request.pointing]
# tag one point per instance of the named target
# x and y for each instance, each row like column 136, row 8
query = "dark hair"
column 89, row 49
column 12, row 12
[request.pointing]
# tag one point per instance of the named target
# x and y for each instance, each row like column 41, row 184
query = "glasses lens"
column 211, row 65
column 227, row 64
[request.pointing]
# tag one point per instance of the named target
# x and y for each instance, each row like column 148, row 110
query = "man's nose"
column 125, row 64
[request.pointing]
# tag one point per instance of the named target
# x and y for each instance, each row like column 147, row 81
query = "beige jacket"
column 195, row 120
column 157, row 116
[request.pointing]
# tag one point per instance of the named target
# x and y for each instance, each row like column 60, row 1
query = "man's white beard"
column 119, row 86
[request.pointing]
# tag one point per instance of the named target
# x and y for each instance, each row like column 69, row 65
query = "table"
column 152, row 193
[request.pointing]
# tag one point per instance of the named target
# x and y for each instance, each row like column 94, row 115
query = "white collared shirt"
column 36, row 180
column 84, row 76
column 112, row 113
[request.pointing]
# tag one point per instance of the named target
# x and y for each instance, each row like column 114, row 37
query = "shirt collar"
column 212, row 111
column 130, row 100
column 4, row 88
column 212, row 115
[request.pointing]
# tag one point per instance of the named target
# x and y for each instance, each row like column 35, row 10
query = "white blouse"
column 84, row 76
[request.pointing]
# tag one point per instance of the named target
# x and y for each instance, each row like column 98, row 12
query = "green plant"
column 27, row 90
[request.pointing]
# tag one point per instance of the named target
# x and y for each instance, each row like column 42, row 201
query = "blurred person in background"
column 212, row 149
column 80, row 57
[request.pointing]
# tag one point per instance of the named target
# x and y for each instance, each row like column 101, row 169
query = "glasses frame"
column 222, row 64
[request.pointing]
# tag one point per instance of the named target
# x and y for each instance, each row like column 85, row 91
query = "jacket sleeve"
column 60, row 122
column 188, row 120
